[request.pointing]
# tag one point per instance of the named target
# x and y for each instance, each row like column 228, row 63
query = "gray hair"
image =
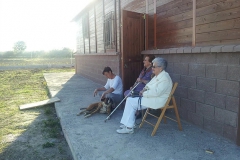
column 160, row 62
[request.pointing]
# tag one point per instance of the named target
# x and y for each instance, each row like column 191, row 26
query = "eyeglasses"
column 155, row 66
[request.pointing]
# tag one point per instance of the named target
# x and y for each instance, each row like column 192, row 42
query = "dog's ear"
column 105, row 100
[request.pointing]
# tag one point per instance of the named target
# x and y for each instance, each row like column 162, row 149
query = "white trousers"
column 131, row 106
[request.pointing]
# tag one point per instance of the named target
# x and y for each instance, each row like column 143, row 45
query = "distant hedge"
column 64, row 53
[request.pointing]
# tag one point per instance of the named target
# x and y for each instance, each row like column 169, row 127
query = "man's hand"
column 138, row 80
column 103, row 95
column 95, row 92
column 141, row 80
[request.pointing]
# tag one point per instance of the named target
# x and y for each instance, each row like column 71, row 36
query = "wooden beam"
column 84, row 47
column 103, row 2
column 120, row 36
column 155, row 31
column 146, row 32
column 194, row 24
column 89, row 47
column 115, row 24
column 146, row 26
column 38, row 104
column 95, row 24
column 155, row 25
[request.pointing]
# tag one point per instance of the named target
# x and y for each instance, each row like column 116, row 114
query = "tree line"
column 20, row 47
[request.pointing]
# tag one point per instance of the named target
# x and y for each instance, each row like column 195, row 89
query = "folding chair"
column 163, row 110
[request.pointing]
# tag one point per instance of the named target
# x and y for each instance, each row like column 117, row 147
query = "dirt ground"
column 41, row 140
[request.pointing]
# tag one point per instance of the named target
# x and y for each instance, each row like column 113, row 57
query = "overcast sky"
column 41, row 24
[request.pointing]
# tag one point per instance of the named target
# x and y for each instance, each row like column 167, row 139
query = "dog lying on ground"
column 105, row 106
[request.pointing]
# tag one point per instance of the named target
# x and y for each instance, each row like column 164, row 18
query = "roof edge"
column 91, row 4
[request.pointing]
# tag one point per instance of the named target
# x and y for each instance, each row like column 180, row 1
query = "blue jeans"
column 117, row 98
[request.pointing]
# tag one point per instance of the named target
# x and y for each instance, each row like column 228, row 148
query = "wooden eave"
column 88, row 7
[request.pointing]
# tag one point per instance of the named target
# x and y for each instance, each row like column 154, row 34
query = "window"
column 85, row 26
column 109, row 31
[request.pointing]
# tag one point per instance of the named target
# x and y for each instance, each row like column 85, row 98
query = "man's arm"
column 110, row 90
column 98, row 89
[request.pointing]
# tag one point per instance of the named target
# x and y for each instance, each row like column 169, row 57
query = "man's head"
column 107, row 71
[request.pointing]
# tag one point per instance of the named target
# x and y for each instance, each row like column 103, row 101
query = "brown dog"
column 101, row 107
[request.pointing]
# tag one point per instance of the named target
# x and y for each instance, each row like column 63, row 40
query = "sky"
column 41, row 24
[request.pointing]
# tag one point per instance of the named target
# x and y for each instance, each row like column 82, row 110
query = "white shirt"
column 116, row 84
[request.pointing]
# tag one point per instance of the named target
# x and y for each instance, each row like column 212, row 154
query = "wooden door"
column 132, row 46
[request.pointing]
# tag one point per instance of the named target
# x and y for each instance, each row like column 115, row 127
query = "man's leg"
column 126, row 93
column 117, row 98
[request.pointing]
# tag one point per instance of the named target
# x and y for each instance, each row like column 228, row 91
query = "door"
column 132, row 46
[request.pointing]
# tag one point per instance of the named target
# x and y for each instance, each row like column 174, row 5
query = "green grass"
column 48, row 145
column 20, row 87
column 52, row 127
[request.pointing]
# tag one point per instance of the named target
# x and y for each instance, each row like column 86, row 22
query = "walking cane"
column 121, row 102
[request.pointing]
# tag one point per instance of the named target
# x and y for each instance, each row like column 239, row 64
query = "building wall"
column 174, row 24
column 208, row 90
column 217, row 22
column 91, row 66
column 91, row 56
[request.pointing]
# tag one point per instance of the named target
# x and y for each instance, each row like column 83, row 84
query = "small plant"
column 48, row 111
column 53, row 127
column 51, row 123
column 54, row 132
column 61, row 150
column 48, row 145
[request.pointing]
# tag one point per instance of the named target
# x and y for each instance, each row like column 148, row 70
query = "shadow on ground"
column 92, row 138
column 35, row 142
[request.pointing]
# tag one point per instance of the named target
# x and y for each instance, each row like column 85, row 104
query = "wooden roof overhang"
column 89, row 6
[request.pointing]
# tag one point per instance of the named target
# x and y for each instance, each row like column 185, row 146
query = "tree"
column 65, row 52
column 19, row 46
column 8, row 54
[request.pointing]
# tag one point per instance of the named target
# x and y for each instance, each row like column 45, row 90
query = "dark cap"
column 106, row 69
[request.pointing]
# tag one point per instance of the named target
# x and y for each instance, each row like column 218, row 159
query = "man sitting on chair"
column 154, row 95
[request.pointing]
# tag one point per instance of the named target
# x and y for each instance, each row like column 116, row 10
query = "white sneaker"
column 125, row 130
column 123, row 126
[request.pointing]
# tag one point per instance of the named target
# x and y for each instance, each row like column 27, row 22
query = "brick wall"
column 209, row 82
column 208, row 91
column 92, row 65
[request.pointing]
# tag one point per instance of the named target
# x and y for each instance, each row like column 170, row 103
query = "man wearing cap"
column 113, row 88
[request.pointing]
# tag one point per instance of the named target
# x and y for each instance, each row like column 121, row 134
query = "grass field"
column 29, row 130
column 35, row 61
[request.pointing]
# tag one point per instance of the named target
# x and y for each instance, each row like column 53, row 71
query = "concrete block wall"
column 92, row 65
column 208, row 90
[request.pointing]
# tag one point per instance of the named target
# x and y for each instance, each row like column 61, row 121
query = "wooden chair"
column 163, row 110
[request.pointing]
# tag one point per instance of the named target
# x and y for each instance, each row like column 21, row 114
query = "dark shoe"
column 138, row 114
